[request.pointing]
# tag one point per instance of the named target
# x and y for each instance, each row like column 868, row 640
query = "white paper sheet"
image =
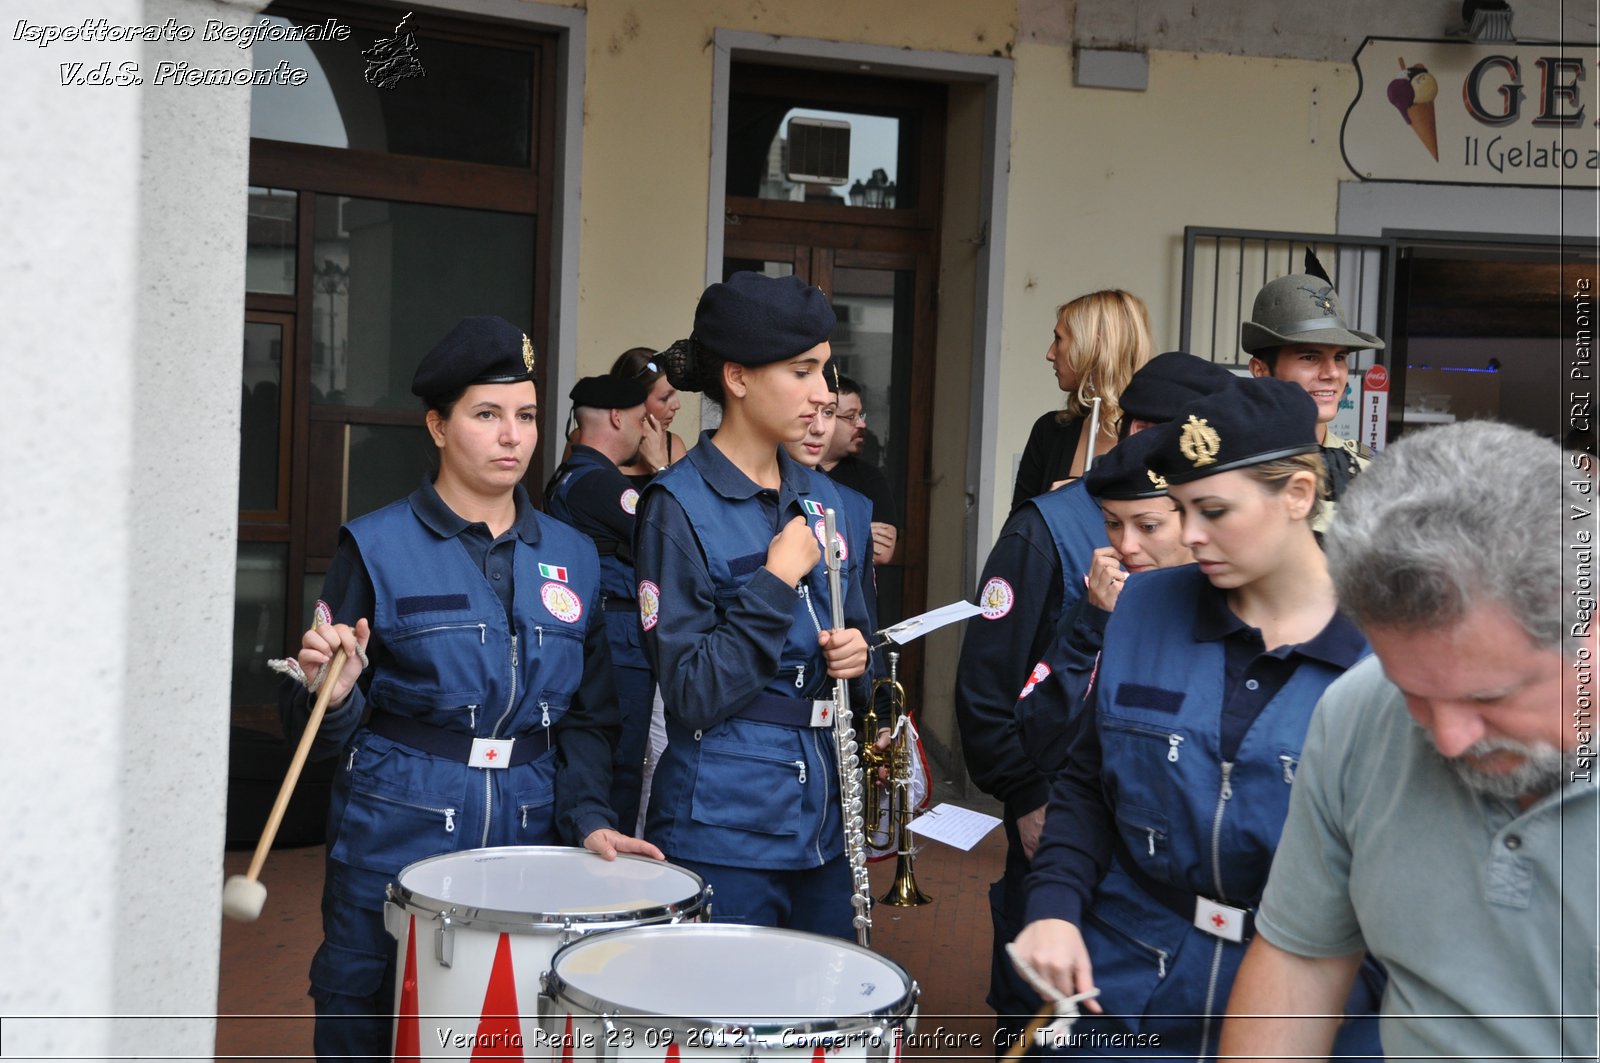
column 934, row 619
column 954, row 825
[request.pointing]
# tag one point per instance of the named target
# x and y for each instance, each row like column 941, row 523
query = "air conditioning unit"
column 819, row 151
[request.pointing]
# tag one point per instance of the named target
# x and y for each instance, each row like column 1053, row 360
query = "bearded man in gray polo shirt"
column 1444, row 809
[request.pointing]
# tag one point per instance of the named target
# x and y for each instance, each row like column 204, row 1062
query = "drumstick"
column 1020, row 1048
column 243, row 895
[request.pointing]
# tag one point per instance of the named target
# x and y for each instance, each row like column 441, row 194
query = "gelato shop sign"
column 1458, row 113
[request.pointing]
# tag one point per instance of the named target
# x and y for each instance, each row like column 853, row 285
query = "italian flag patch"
column 813, row 508
column 555, row 572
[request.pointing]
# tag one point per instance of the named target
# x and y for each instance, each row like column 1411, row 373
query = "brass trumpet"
column 897, row 758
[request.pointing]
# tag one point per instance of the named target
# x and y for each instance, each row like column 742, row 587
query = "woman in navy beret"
column 476, row 706
column 734, row 600
column 1163, row 822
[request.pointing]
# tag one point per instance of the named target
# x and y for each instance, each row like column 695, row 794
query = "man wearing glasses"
column 842, row 461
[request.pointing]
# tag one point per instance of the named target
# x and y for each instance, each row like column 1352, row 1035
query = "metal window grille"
column 1223, row 269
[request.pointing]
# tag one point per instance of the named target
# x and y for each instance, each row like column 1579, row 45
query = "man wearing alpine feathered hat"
column 1297, row 332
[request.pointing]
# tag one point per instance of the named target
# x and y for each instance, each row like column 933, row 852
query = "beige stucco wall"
column 1104, row 181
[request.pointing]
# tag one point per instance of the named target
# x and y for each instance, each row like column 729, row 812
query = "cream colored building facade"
column 128, row 224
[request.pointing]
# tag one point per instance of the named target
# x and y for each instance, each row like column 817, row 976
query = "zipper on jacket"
column 822, row 819
column 1211, row 996
column 449, row 814
column 488, row 803
column 1160, row 954
column 800, row 677
column 1288, row 767
column 511, row 697
column 402, row 636
column 1223, row 797
column 488, row 783
column 802, row 766
column 1173, row 742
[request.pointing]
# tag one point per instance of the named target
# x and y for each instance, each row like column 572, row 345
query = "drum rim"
column 897, row 1014
column 514, row 922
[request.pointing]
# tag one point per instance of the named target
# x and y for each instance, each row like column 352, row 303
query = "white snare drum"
column 477, row 930
column 724, row 992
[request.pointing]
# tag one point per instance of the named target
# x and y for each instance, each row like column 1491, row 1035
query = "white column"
column 123, row 282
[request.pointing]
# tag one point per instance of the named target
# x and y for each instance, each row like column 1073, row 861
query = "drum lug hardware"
column 611, row 1038
column 444, row 941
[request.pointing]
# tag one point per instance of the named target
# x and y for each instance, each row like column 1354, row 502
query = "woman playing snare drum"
column 487, row 714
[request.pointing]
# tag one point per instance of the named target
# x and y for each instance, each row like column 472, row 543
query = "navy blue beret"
column 608, row 393
column 480, row 350
column 1254, row 421
column 1123, row 474
column 1169, row 382
column 754, row 319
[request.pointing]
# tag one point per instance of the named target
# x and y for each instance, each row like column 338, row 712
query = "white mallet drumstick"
column 243, row 895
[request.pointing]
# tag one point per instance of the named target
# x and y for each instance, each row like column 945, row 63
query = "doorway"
column 867, row 234
column 1487, row 329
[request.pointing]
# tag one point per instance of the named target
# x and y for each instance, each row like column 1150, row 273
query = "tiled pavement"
column 944, row 945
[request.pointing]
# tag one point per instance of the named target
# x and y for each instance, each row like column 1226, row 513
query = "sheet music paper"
column 934, row 619
column 954, row 825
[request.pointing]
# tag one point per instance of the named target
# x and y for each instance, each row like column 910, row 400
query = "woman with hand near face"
column 661, row 446
column 735, row 605
column 1163, row 822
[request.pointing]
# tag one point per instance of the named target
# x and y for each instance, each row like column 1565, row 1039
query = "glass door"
column 883, row 303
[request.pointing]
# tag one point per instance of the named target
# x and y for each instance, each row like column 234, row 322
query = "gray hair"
column 1452, row 516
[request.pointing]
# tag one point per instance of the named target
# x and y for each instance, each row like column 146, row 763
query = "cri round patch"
column 649, row 604
column 562, row 602
column 996, row 599
column 630, row 501
column 820, row 527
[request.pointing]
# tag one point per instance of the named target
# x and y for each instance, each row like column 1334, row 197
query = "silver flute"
column 848, row 750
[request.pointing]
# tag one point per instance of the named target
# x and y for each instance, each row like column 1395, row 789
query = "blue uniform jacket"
column 1032, row 579
column 855, row 517
column 591, row 494
column 723, row 632
column 1146, row 781
column 444, row 655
